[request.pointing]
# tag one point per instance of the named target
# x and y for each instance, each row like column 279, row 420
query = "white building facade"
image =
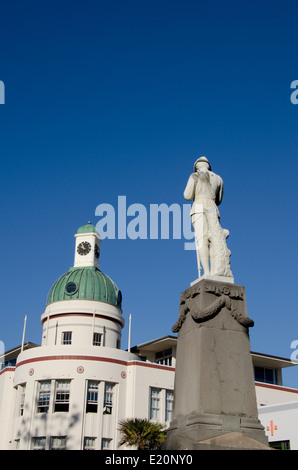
column 72, row 391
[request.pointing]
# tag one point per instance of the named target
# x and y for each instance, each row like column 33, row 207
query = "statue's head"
column 201, row 164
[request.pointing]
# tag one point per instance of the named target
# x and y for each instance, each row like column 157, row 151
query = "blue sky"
column 119, row 98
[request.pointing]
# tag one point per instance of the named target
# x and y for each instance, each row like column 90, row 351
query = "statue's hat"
column 202, row 159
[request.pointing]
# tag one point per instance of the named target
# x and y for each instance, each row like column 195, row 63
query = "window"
column 164, row 357
column 8, row 363
column 143, row 358
column 89, row 443
column 66, row 337
column 58, row 443
column 280, row 445
column 71, row 288
column 22, row 390
column 169, row 404
column 92, row 396
column 97, row 337
column 62, row 395
column 106, row 444
column 267, row 375
column 108, row 398
column 154, row 403
column 43, row 401
column 39, row 443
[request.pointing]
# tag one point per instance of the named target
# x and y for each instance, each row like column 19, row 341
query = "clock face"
column 84, row 248
column 96, row 251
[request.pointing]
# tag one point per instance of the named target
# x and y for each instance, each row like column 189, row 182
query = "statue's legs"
column 200, row 226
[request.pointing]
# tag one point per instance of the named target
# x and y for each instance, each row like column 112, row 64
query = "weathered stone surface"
column 233, row 441
column 206, row 298
column 214, row 382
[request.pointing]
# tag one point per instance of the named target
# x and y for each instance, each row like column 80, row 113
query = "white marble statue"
column 205, row 188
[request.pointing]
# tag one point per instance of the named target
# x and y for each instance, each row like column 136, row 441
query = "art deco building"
column 72, row 391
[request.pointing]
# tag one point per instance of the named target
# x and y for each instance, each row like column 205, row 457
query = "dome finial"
column 88, row 228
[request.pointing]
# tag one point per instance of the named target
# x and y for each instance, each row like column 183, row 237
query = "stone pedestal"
column 214, row 398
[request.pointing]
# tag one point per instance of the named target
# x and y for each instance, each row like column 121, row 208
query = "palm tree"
column 141, row 433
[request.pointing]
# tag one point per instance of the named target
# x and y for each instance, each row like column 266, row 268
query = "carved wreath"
column 211, row 311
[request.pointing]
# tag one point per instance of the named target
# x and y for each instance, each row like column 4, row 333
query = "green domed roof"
column 89, row 228
column 86, row 283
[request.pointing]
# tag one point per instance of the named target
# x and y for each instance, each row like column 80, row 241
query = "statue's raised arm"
column 189, row 192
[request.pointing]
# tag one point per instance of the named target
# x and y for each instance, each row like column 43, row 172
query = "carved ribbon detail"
column 209, row 312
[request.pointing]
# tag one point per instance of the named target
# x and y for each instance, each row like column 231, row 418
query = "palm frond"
column 142, row 433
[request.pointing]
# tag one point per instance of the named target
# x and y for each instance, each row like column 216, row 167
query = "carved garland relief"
column 225, row 295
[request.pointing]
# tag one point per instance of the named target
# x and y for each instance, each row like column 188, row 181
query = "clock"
column 96, row 251
column 84, row 248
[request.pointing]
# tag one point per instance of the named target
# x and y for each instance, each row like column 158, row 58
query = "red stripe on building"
column 95, row 358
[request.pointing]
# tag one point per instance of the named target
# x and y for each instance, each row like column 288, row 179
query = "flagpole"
column 24, row 329
column 129, row 333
